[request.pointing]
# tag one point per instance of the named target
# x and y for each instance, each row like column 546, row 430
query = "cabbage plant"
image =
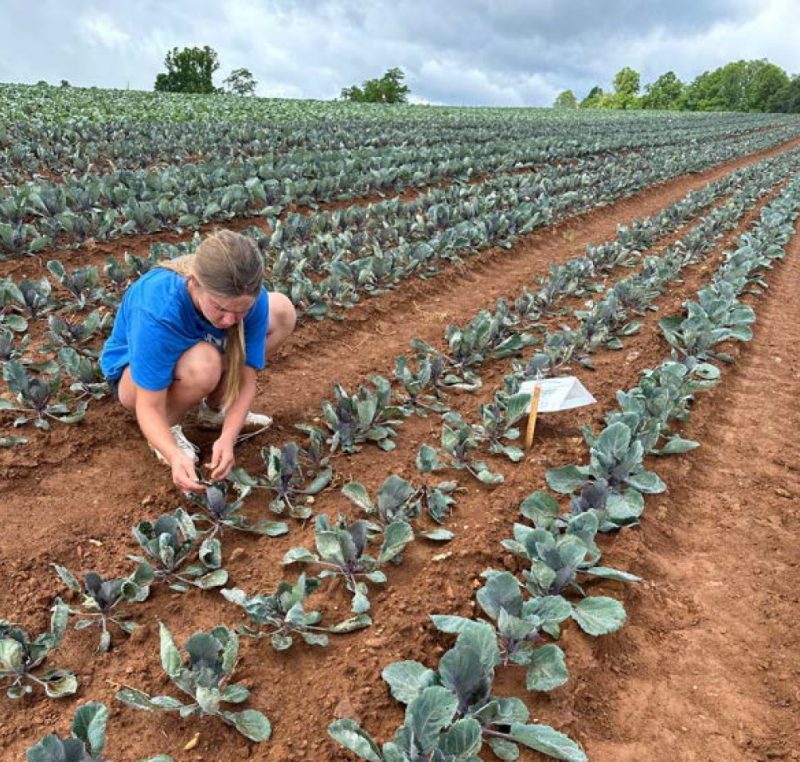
column 341, row 549
column 21, row 655
column 34, row 397
column 204, row 677
column 398, row 500
column 283, row 615
column 288, row 479
column 101, row 597
column 221, row 514
column 451, row 714
column 86, row 742
column 170, row 541
column 518, row 626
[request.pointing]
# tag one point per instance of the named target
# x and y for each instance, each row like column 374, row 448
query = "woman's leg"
column 197, row 375
column 282, row 320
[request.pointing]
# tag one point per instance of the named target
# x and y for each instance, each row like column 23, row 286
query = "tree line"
column 737, row 86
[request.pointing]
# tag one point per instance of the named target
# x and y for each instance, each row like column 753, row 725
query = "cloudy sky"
column 472, row 52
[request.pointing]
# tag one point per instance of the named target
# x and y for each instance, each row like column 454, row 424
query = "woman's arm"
column 222, row 460
column 151, row 414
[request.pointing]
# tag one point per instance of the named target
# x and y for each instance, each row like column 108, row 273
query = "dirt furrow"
column 707, row 669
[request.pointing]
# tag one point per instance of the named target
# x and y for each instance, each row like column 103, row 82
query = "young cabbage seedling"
column 219, row 513
column 170, row 541
column 341, row 549
column 12, row 301
column 487, row 335
column 102, row 596
column 518, row 625
column 417, row 385
column 88, row 379
column 397, row 500
column 36, row 299
column 83, row 283
column 60, row 333
column 287, row 479
column 366, row 416
column 204, row 678
column 9, row 350
column 283, row 615
column 617, row 457
column 315, row 454
column 451, row 712
column 20, row 656
column 556, row 560
column 663, row 395
column 459, row 439
column 33, row 396
column 497, row 423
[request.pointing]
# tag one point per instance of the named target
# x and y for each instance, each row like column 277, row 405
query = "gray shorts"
column 113, row 386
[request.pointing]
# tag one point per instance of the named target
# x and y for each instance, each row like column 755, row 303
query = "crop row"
column 480, row 648
column 41, row 104
column 602, row 323
column 82, row 148
column 77, row 360
column 40, row 215
column 71, row 342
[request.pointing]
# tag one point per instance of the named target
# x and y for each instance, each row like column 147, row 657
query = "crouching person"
column 193, row 333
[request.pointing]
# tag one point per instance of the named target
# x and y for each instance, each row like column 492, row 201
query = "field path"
column 708, row 669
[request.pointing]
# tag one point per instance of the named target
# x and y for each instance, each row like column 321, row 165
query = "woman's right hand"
column 184, row 475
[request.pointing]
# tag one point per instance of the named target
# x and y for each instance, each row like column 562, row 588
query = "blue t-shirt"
column 157, row 322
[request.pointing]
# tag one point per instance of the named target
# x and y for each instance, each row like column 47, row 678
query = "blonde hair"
column 226, row 264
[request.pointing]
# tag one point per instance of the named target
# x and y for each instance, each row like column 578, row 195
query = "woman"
column 194, row 331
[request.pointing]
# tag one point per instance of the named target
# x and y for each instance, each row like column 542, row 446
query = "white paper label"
column 562, row 393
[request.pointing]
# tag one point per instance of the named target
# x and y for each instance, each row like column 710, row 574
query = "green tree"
column 626, row 81
column 787, row 99
column 566, row 99
column 665, row 93
column 189, row 70
column 240, row 82
column 724, row 89
column 593, row 98
column 388, row 89
column 763, row 81
column 626, row 89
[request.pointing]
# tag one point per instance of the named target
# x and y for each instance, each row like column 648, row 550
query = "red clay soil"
column 700, row 670
column 707, row 668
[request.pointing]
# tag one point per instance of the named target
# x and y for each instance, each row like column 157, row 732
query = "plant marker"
column 537, row 393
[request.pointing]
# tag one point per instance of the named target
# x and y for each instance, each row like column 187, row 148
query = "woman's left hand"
column 222, row 460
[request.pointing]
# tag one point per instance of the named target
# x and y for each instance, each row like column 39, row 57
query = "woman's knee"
column 282, row 314
column 200, row 367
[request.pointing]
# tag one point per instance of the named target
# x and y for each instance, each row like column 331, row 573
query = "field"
column 643, row 593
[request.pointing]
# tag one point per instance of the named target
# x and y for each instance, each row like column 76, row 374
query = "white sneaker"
column 208, row 418
column 184, row 445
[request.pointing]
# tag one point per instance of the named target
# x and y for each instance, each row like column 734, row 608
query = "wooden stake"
column 537, row 393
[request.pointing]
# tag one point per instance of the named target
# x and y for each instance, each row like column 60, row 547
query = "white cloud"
column 102, row 31
column 472, row 52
